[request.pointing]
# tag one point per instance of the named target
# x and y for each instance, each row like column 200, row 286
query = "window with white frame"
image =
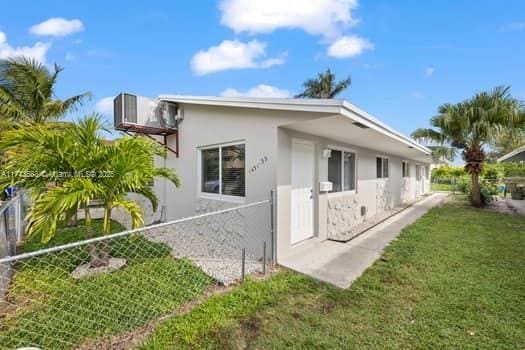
column 222, row 170
column 342, row 170
column 406, row 169
column 382, row 170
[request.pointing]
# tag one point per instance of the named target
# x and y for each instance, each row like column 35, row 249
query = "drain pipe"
column 163, row 207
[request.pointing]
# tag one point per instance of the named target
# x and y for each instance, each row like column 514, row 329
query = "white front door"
column 303, row 159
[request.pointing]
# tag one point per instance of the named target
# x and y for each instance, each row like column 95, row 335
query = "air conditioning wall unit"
column 139, row 112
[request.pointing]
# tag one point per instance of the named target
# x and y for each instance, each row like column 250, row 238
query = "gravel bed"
column 217, row 257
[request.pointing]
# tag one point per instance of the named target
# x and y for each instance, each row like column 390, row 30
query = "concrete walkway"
column 341, row 263
column 517, row 205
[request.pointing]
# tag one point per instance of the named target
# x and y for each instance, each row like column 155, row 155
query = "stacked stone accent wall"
column 344, row 213
column 384, row 200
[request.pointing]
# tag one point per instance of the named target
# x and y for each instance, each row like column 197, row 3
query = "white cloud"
column 232, row 54
column 349, row 46
column 418, row 95
column 318, row 17
column 105, row 105
column 261, row 90
column 37, row 52
column 57, row 26
column 429, row 71
column 516, row 26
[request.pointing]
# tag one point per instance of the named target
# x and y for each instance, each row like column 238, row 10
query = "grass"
column 441, row 187
column 50, row 309
column 455, row 279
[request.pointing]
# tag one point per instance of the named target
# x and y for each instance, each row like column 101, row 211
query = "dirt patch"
column 85, row 270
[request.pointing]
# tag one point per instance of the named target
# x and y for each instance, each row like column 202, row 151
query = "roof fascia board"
column 327, row 106
column 512, row 154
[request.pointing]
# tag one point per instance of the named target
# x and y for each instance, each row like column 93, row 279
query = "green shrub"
column 487, row 187
column 512, row 169
column 445, row 173
column 493, row 171
column 463, row 183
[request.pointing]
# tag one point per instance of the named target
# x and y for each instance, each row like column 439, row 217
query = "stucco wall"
column 207, row 126
column 340, row 212
column 264, row 137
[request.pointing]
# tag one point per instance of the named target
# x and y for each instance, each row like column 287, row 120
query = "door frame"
column 314, row 196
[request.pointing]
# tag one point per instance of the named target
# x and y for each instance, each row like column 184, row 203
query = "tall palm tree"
column 27, row 93
column 469, row 126
column 324, row 86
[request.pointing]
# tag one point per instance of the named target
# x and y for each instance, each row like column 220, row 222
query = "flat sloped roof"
column 517, row 153
column 334, row 106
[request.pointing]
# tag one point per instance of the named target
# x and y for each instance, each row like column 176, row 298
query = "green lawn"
column 49, row 309
column 453, row 280
column 441, row 187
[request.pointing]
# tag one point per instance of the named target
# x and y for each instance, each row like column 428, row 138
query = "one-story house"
column 517, row 155
column 332, row 165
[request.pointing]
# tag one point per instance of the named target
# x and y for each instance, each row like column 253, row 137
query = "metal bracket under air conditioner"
column 134, row 132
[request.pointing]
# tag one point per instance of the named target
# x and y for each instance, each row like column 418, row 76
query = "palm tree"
column 81, row 168
column 471, row 125
column 27, row 93
column 324, row 86
column 507, row 141
column 39, row 156
column 129, row 167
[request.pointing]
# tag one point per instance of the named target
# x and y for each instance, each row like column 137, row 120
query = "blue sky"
column 404, row 57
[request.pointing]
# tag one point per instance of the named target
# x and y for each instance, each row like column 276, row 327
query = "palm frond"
column 50, row 206
column 133, row 208
column 428, row 135
column 323, row 86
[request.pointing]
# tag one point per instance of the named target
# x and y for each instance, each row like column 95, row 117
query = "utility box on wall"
column 325, row 186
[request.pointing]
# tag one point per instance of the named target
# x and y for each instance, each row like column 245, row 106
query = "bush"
column 487, row 188
column 513, row 169
column 493, row 171
column 463, row 183
column 445, row 173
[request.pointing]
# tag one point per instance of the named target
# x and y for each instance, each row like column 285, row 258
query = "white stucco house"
column 332, row 165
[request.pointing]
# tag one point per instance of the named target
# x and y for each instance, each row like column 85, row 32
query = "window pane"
column 349, row 171
column 334, row 170
column 385, row 167
column 210, row 170
column 406, row 172
column 233, row 170
column 379, row 167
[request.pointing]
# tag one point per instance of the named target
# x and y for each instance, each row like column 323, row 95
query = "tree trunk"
column 95, row 260
column 72, row 217
column 474, row 157
column 476, row 192
column 107, row 230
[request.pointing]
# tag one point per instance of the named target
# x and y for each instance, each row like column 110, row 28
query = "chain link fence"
column 12, row 226
column 12, row 214
column 82, row 293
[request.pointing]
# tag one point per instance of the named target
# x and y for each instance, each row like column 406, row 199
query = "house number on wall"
column 259, row 163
